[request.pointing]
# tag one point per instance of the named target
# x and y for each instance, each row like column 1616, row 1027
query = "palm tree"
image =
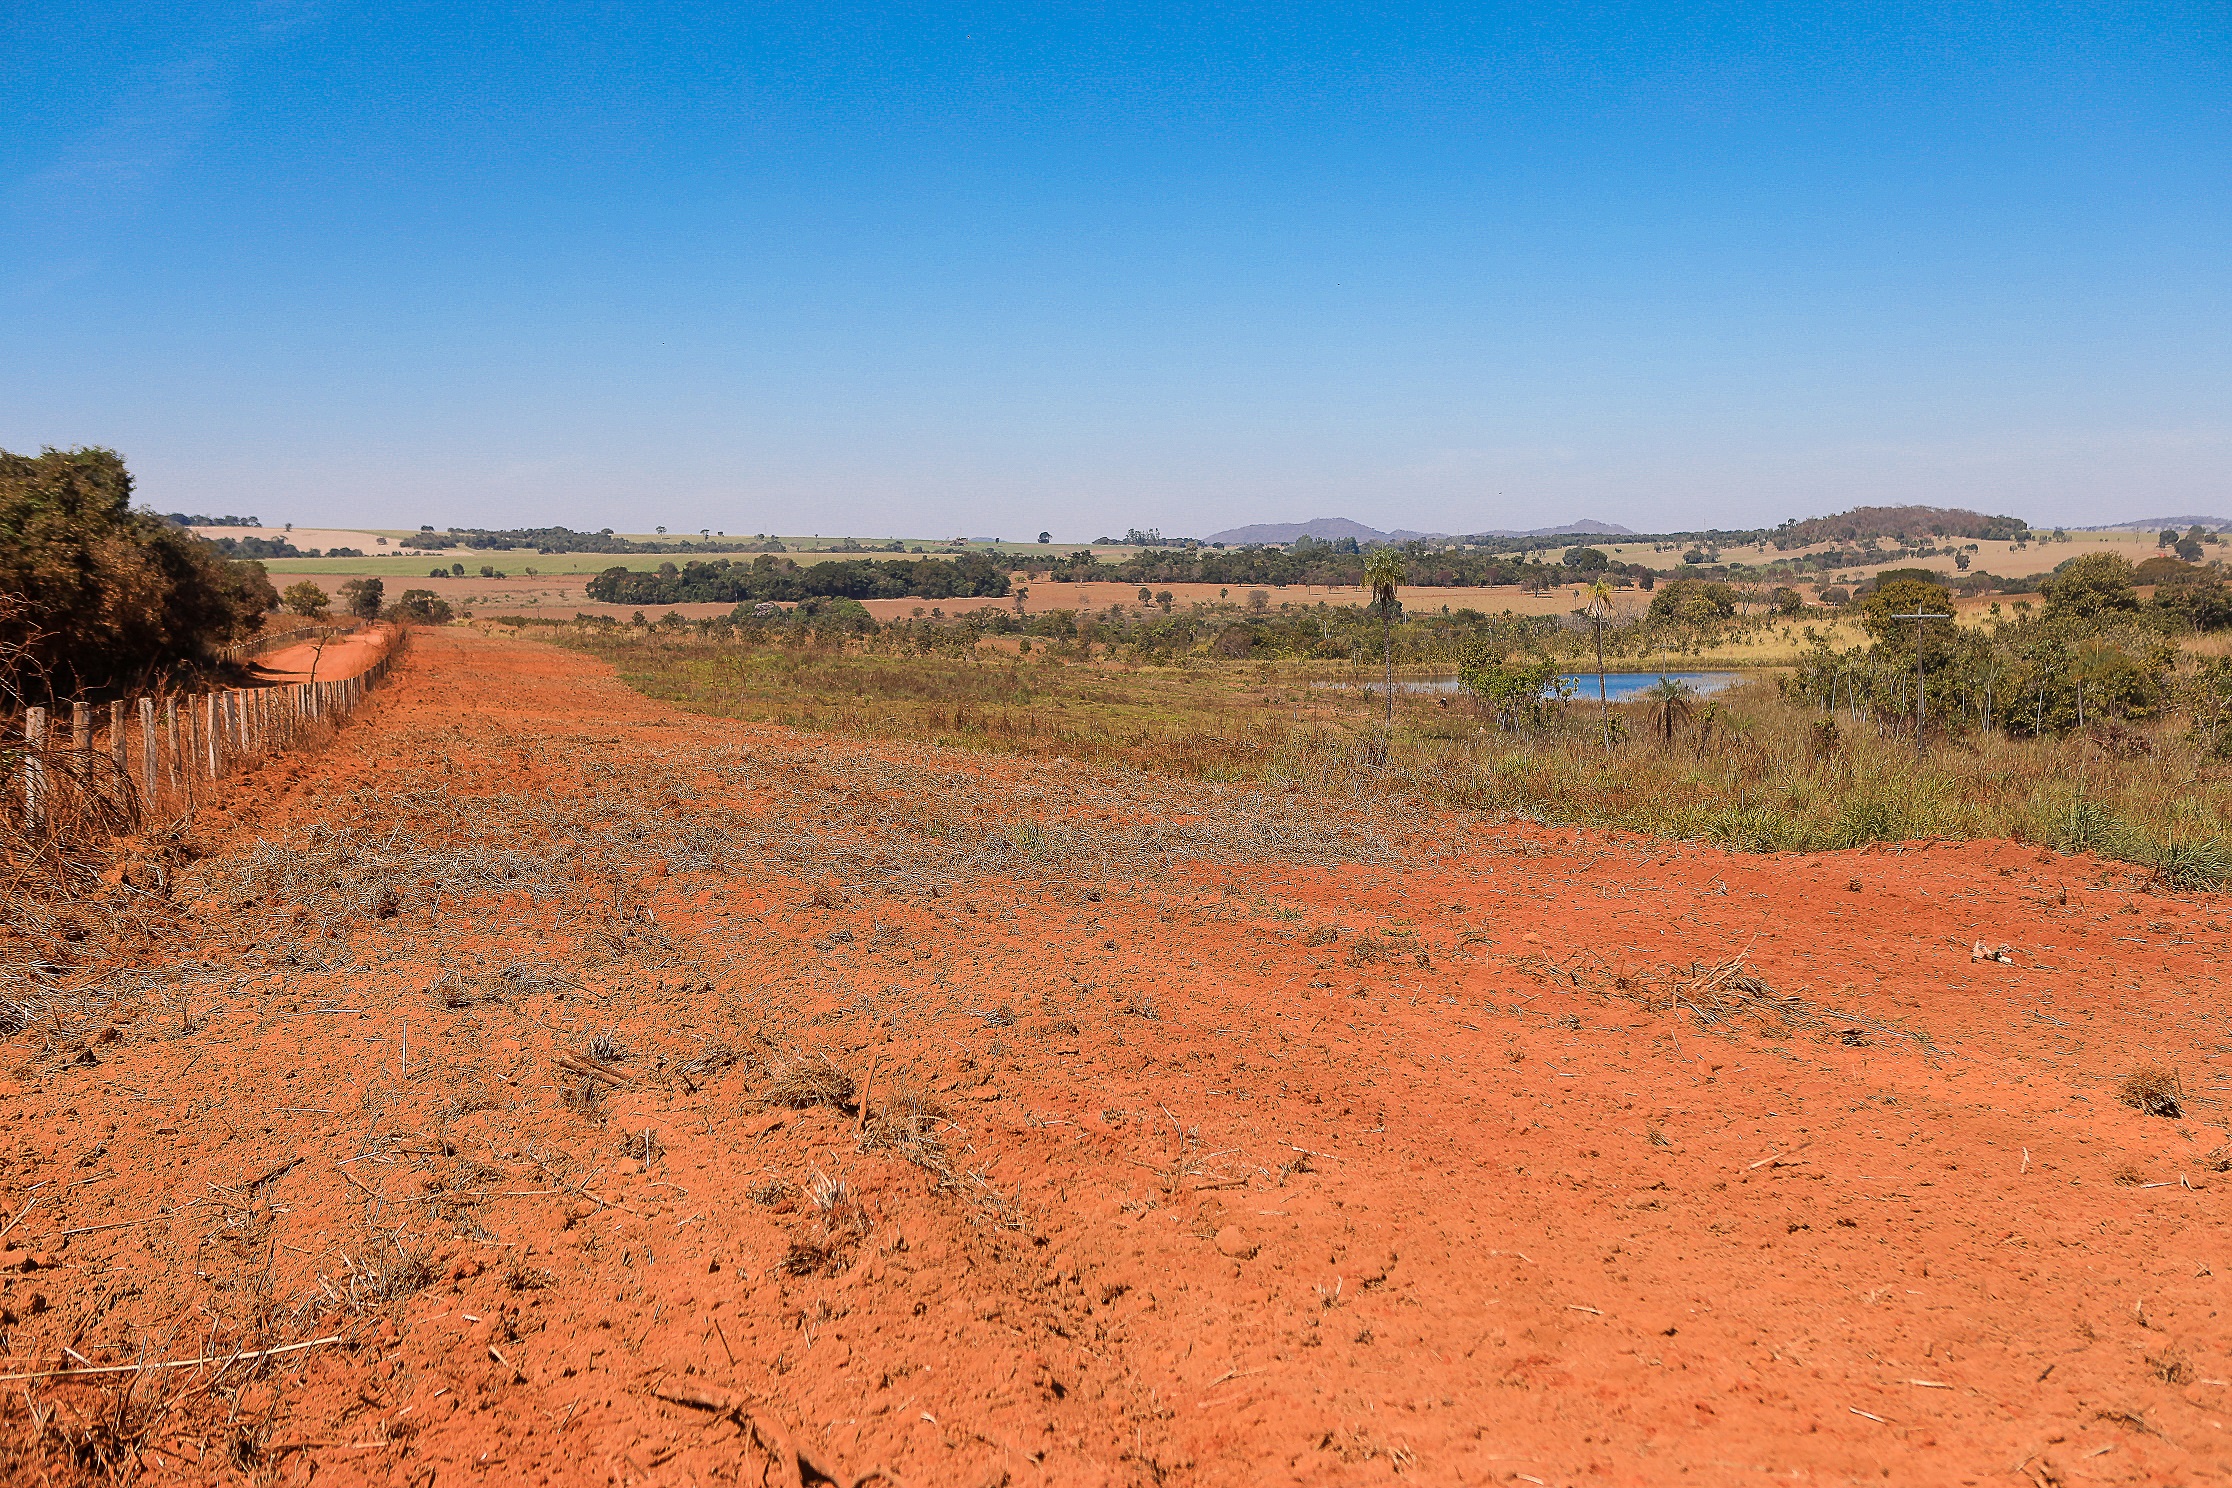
column 1600, row 605
column 1383, row 570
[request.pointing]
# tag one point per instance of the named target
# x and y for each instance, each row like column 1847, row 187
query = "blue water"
column 1618, row 686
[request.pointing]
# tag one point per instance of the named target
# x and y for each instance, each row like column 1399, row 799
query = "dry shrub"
column 585, row 1098
column 2154, row 1089
column 53, row 897
column 809, row 1080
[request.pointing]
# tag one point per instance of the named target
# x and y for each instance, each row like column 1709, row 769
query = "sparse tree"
column 1600, row 605
column 307, row 600
column 363, row 597
column 1383, row 571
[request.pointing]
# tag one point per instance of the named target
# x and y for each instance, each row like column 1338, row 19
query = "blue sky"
column 988, row 270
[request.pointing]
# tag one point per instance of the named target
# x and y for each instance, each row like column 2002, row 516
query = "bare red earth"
column 1220, row 1200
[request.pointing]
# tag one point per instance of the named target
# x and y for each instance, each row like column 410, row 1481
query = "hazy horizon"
column 984, row 271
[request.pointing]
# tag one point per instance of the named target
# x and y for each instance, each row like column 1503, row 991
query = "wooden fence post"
column 116, row 736
column 34, row 766
column 209, row 735
column 148, row 776
column 81, row 727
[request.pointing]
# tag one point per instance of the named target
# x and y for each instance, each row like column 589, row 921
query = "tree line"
column 770, row 579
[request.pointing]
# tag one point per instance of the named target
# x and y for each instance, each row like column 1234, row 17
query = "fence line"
column 186, row 743
column 276, row 640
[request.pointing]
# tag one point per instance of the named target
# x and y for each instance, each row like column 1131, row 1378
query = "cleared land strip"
column 633, row 1093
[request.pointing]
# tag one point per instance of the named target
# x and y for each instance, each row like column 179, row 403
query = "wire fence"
column 158, row 756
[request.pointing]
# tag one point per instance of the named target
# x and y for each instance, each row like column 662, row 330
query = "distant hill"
column 1586, row 527
column 2156, row 524
column 1864, row 522
column 1332, row 529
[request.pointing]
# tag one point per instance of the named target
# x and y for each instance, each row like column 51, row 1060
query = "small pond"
column 1618, row 686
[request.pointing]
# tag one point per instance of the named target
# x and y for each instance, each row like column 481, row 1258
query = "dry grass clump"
column 1371, row 949
column 382, row 1270
column 909, row 1128
column 809, row 1080
column 711, row 1058
column 607, row 1047
column 2154, row 1089
column 771, row 1191
column 840, row 1224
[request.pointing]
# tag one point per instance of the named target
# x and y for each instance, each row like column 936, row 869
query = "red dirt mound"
column 609, row 1095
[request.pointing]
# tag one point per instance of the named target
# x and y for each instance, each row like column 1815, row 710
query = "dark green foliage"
column 95, row 597
column 2091, row 587
column 256, row 547
column 967, row 576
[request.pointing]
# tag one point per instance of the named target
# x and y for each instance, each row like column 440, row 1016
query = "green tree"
column 306, row 599
column 2093, row 587
column 362, row 597
column 425, row 607
column 96, row 597
column 1909, row 596
column 1383, row 571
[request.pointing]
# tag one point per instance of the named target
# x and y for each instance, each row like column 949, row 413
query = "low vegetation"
column 1763, row 767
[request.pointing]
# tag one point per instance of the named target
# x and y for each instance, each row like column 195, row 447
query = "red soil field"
column 1206, row 1138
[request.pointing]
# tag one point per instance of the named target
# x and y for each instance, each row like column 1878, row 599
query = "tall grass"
column 1751, row 771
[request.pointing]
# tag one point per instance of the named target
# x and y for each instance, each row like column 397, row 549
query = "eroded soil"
column 517, row 1042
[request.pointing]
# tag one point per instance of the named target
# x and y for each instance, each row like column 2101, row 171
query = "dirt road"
column 518, row 1043
column 339, row 658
